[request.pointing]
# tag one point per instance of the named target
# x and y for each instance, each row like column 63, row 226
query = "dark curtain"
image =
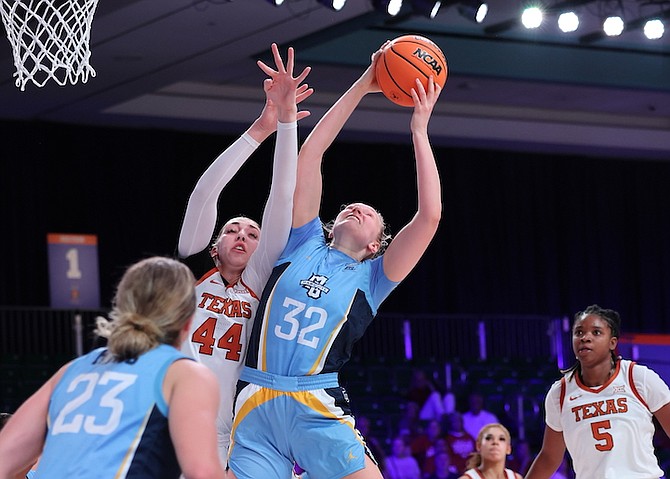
column 522, row 233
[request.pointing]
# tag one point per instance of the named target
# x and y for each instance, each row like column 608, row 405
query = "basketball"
column 404, row 60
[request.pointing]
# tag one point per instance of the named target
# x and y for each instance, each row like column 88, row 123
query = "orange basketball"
column 403, row 61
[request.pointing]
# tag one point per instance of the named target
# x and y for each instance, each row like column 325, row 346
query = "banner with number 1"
column 73, row 271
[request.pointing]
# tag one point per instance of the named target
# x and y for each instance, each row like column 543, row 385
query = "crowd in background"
column 437, row 434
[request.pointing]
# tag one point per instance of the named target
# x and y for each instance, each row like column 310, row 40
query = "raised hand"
column 369, row 76
column 283, row 91
column 424, row 102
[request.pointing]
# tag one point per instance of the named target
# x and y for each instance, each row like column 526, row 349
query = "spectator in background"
column 476, row 417
column 443, row 467
column 400, row 464
column 460, row 443
column 409, row 424
column 423, row 444
column 522, row 457
column 429, row 465
column 423, row 392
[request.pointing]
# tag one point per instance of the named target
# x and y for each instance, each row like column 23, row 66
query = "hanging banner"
column 73, row 271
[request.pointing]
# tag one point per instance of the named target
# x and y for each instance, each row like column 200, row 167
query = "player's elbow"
column 203, row 471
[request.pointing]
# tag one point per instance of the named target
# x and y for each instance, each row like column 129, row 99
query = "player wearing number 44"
column 126, row 410
column 602, row 409
column 227, row 295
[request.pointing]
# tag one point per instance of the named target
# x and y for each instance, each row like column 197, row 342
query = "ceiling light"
column 654, row 29
column 568, row 22
column 613, row 26
column 276, row 3
column 391, row 7
column 473, row 10
column 333, row 4
column 429, row 8
column 532, row 17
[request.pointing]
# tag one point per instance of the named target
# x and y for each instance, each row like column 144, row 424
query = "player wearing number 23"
column 125, row 410
column 602, row 408
column 323, row 293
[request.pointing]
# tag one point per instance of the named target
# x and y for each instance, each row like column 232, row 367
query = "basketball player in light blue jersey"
column 135, row 409
column 323, row 293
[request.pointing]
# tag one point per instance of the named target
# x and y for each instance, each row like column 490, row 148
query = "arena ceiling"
column 189, row 65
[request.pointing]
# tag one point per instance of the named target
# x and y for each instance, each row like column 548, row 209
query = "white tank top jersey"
column 218, row 339
column 224, row 314
column 477, row 474
column 608, row 430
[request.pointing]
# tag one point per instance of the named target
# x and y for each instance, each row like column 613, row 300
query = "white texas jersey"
column 608, row 430
column 218, row 338
column 477, row 474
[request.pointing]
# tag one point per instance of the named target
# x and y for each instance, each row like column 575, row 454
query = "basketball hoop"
column 50, row 39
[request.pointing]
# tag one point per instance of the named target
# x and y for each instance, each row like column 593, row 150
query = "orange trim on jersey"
column 249, row 290
column 74, row 239
column 205, row 276
column 581, row 385
column 563, row 388
column 632, row 385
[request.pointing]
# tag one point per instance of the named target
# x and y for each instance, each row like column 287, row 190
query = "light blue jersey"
column 289, row 407
column 109, row 419
column 316, row 305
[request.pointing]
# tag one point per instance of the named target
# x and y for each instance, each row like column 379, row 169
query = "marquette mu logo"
column 315, row 285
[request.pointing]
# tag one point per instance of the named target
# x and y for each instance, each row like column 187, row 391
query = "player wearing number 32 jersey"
column 323, row 292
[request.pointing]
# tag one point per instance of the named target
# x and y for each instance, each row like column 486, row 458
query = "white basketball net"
column 50, row 39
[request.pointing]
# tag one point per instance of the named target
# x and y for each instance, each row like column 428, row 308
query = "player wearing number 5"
column 602, row 409
column 228, row 295
column 129, row 409
column 319, row 300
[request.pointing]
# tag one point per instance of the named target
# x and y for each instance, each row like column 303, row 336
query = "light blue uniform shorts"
column 281, row 420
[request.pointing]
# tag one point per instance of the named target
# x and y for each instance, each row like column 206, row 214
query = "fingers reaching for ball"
column 424, row 99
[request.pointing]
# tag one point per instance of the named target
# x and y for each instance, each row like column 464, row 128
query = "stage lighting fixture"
column 473, row 10
column 276, row 3
column 532, row 17
column 654, row 29
column 613, row 26
column 568, row 22
column 429, row 8
column 391, row 7
column 333, row 4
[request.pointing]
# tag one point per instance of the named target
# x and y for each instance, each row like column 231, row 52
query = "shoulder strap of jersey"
column 634, row 389
column 563, row 387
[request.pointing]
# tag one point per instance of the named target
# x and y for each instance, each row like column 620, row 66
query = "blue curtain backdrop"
column 521, row 232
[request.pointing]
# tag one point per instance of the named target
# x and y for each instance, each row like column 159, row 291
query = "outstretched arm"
column 411, row 242
column 550, row 456
column 201, row 212
column 307, row 199
column 22, row 438
column 284, row 92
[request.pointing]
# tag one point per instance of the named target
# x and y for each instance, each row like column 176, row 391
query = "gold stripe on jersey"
column 318, row 365
column 125, row 464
